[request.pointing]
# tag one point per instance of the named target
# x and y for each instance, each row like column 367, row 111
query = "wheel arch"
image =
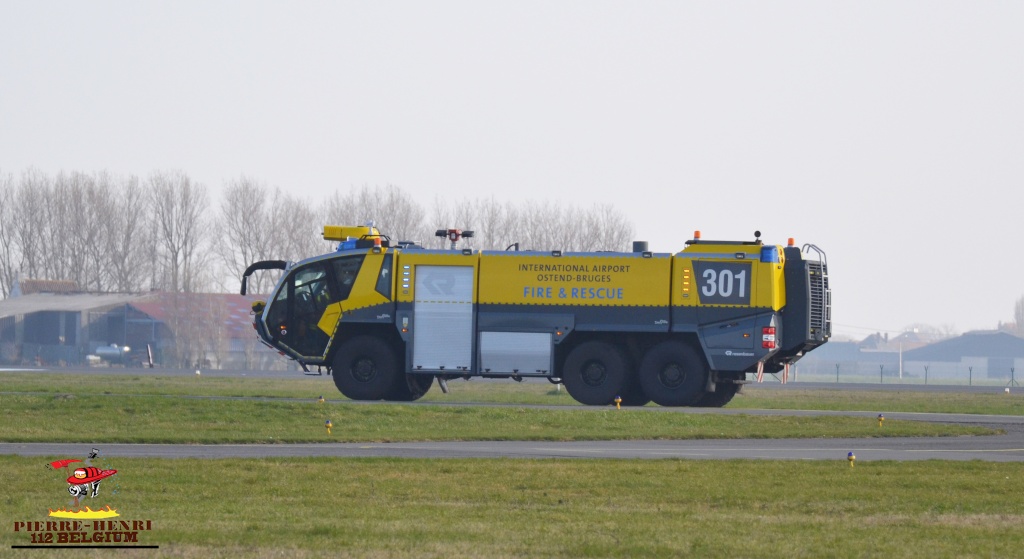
column 385, row 332
column 635, row 344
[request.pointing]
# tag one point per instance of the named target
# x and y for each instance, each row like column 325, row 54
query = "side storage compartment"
column 443, row 310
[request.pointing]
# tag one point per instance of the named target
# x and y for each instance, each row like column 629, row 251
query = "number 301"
column 722, row 283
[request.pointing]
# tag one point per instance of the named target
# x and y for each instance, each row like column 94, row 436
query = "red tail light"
column 768, row 337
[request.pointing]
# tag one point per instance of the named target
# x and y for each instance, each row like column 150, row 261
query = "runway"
column 998, row 448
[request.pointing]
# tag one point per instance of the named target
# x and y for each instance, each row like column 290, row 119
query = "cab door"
column 294, row 317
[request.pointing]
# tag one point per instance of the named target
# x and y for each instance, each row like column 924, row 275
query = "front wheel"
column 366, row 368
column 672, row 373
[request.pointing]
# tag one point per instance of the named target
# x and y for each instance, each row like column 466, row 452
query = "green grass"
column 54, row 407
column 503, row 392
column 790, row 398
column 380, row 507
column 163, row 419
column 541, row 508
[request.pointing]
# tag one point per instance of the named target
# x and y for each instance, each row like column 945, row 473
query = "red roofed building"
column 199, row 329
column 180, row 329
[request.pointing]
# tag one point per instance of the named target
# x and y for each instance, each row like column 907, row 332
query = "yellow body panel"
column 329, row 320
column 363, row 294
column 773, row 282
column 405, row 271
column 767, row 280
column 542, row 279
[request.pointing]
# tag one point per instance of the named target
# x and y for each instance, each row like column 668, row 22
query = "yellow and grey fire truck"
column 680, row 329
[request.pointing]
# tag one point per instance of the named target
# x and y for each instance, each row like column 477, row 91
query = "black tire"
column 724, row 391
column 633, row 394
column 595, row 373
column 366, row 368
column 673, row 374
column 411, row 388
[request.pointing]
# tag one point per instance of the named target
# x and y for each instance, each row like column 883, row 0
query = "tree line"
column 165, row 232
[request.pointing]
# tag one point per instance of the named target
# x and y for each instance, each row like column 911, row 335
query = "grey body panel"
column 580, row 318
column 520, row 353
column 729, row 336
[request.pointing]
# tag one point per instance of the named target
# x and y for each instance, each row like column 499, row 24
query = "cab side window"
column 345, row 272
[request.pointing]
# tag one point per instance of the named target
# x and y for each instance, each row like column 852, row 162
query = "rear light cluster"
column 768, row 337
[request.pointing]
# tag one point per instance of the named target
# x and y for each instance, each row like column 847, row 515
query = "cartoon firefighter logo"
column 84, row 482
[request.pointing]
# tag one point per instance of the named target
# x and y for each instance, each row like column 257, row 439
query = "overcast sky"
column 890, row 134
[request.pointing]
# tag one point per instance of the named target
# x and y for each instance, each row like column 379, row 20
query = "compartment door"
column 443, row 318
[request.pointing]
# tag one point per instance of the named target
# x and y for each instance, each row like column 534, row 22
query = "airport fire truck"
column 684, row 329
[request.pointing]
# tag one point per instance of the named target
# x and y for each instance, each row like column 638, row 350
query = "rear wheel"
column 672, row 373
column 724, row 391
column 595, row 373
column 411, row 388
column 366, row 368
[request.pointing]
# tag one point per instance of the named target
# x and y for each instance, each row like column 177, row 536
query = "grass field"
column 532, row 393
column 542, row 508
column 144, row 409
column 383, row 507
column 160, row 419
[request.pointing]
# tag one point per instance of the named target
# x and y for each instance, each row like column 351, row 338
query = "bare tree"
column 178, row 211
column 29, row 221
column 298, row 229
column 80, row 208
column 244, row 229
column 490, row 228
column 401, row 217
column 1018, row 316
column 453, row 215
column 112, row 233
column 53, row 230
column 536, row 225
column 390, row 209
column 126, row 240
column 8, row 249
column 606, row 229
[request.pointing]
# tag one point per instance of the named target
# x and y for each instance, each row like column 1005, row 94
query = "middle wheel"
column 672, row 373
column 595, row 373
